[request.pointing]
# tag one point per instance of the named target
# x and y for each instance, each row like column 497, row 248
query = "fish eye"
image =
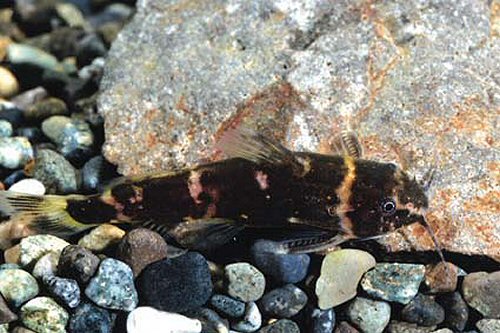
column 388, row 206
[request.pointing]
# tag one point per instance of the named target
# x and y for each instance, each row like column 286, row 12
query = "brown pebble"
column 441, row 277
column 13, row 255
column 481, row 291
column 6, row 315
column 141, row 247
column 345, row 327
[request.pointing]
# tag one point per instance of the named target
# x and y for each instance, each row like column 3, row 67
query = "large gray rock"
column 417, row 80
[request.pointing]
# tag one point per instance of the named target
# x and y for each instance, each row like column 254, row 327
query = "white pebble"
column 28, row 186
column 251, row 321
column 148, row 319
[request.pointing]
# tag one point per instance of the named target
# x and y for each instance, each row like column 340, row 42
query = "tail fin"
column 24, row 214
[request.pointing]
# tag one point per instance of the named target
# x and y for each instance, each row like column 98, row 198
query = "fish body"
column 263, row 185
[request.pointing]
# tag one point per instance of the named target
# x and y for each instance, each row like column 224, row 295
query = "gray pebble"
column 423, row 310
column 46, row 266
column 78, row 263
column 251, row 321
column 65, row 290
column 5, row 128
column 227, row 306
column 404, row 327
column 15, row 152
column 488, row 325
column 17, row 286
column 456, row 310
column 369, row 315
column 244, row 282
column 481, row 291
column 44, row 109
column 55, row 172
column 283, row 302
column 322, row 321
column 281, row 326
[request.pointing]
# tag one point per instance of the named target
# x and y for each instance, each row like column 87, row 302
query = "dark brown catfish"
column 263, row 185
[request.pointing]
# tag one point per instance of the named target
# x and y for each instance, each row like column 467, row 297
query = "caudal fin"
column 24, row 214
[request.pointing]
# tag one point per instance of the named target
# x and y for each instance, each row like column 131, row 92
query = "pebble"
column 15, row 152
column 322, row 321
column 283, row 302
column 46, row 266
column 34, row 247
column 340, row 274
column 284, row 268
column 46, row 108
column 176, row 284
column 73, row 137
column 28, row 97
column 345, row 327
column 115, row 12
column 33, row 134
column 211, row 321
column 252, row 319
column 20, row 329
column 147, row 319
column 28, row 186
column 44, row 315
column 101, row 237
column 22, row 54
column 88, row 48
column 369, row 315
column 5, row 128
column 96, row 172
column 441, row 277
column 13, row 178
column 9, row 266
column 65, row 290
column 393, row 282
column 227, row 306
column 244, row 282
column 8, row 83
column 141, row 247
column 88, row 318
column 55, row 172
column 6, row 314
column 488, row 325
column 10, row 112
column 443, row 330
column 113, row 286
column 404, row 327
column 4, row 328
column 70, row 14
column 456, row 310
column 281, row 326
column 423, row 310
column 13, row 255
column 17, row 286
column 481, row 291
column 78, row 263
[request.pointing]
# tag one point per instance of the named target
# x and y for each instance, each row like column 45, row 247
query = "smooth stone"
column 340, row 274
column 9, row 266
column 393, row 282
column 28, row 186
column 4, row 328
column 89, row 48
column 227, row 306
column 8, row 83
column 146, row 319
column 10, row 112
column 284, row 268
column 44, row 315
column 6, row 314
column 34, row 15
column 66, row 291
column 101, row 237
column 481, row 291
column 34, row 134
column 456, row 310
column 88, row 318
column 78, row 263
column 488, row 325
column 141, row 247
column 404, row 327
column 283, row 302
column 55, row 172
column 70, row 14
column 34, row 247
column 20, row 329
column 5, row 128
column 115, row 12
column 46, row 266
column 322, row 321
column 244, row 282
column 176, row 284
column 443, row 330
column 46, row 108
column 211, row 321
column 12, row 255
column 113, row 286
column 369, row 315
column 15, row 152
column 345, row 327
column 441, row 277
column 252, row 319
column 281, row 326
column 22, row 54
column 95, row 172
column 423, row 310
column 29, row 97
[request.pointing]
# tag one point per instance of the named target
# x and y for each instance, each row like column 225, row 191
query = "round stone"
column 281, row 326
column 441, row 277
column 147, row 319
column 176, row 284
column 66, row 291
column 34, row 247
column 15, row 152
column 96, row 172
column 340, row 274
column 252, row 319
column 369, row 315
column 78, row 263
column 5, row 128
column 45, row 108
column 43, row 315
column 283, row 302
column 17, row 286
column 423, row 310
column 227, row 306
column 100, row 238
column 393, row 282
column 481, row 291
column 404, row 327
column 88, row 318
column 28, row 186
column 488, row 325
column 46, row 266
column 8, row 83
column 113, row 286
column 244, row 282
column 141, row 247
column 55, row 172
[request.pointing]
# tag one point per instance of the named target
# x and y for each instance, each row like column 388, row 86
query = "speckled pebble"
column 5, row 128
column 78, row 263
column 456, row 310
column 244, row 282
column 252, row 320
column 227, row 306
column 441, row 277
column 113, row 286
column 101, row 237
column 88, row 318
column 423, row 310
column 43, row 315
column 322, row 321
column 17, row 286
column 481, row 291
column 369, row 315
column 15, row 152
column 147, row 319
column 34, row 247
column 46, row 266
column 66, row 291
column 55, row 172
column 28, row 186
column 488, row 325
column 283, row 302
column 281, row 326
column 394, row 282
column 404, row 327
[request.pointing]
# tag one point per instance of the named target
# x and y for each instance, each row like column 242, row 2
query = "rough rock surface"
column 418, row 81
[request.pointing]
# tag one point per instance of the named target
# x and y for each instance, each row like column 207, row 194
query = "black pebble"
column 423, row 310
column 89, row 318
column 456, row 311
column 227, row 306
column 78, row 263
